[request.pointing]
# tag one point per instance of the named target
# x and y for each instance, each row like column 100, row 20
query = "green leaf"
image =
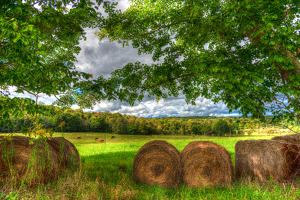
column 269, row 24
column 21, row 114
column 15, row 112
column 289, row 46
column 27, row 101
column 260, row 80
column 6, row 116
column 15, row 39
column 19, row 91
column 31, row 141
column 30, row 27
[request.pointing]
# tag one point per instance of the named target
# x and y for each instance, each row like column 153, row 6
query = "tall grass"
column 106, row 173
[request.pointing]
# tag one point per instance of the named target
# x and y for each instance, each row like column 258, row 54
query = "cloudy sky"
column 103, row 57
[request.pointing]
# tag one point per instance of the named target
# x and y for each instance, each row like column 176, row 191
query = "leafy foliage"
column 29, row 63
column 195, row 130
column 78, row 121
column 221, row 127
column 37, row 58
column 222, row 73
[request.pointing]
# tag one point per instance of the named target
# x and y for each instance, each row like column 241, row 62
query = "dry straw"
column 293, row 138
column 70, row 157
column 292, row 146
column 157, row 162
column 205, row 163
column 265, row 159
column 32, row 172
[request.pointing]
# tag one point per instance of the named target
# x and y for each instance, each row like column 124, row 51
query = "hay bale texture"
column 20, row 157
column 292, row 146
column 205, row 163
column 292, row 138
column 157, row 162
column 70, row 155
column 260, row 159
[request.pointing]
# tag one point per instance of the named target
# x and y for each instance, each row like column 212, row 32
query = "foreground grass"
column 102, row 177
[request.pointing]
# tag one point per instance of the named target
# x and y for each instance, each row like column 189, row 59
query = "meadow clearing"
column 106, row 172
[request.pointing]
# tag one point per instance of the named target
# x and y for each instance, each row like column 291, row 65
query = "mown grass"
column 103, row 176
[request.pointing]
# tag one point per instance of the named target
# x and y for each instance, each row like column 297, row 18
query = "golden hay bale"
column 71, row 157
column 21, row 158
column 293, row 138
column 206, row 163
column 291, row 144
column 260, row 159
column 157, row 162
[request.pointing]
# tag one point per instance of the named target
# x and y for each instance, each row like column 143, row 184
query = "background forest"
column 79, row 121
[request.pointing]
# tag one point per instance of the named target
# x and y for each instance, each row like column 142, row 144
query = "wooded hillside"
column 79, row 121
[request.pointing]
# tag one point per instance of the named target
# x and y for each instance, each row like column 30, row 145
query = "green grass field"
column 101, row 176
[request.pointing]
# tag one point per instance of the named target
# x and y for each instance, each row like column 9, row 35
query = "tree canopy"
column 28, row 38
column 223, row 73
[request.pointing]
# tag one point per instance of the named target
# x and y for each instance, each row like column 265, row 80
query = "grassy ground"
column 101, row 176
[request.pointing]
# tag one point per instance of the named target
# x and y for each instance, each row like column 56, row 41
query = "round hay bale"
column 157, row 162
column 20, row 158
column 206, row 163
column 260, row 159
column 293, row 138
column 70, row 157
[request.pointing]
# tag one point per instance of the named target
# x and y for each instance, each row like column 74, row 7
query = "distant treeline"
column 79, row 121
